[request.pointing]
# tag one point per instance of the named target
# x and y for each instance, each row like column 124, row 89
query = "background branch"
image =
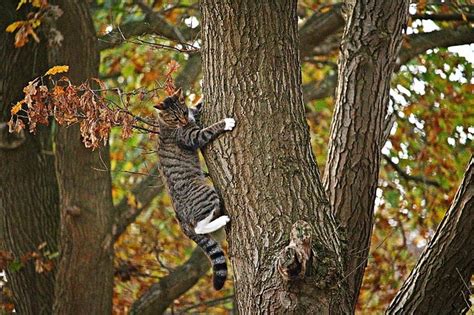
column 405, row 175
column 318, row 27
column 419, row 43
column 157, row 299
column 415, row 44
column 208, row 303
column 153, row 23
column 320, row 89
column 444, row 17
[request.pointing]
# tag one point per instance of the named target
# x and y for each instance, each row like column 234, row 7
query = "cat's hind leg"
column 204, row 222
column 205, row 227
column 214, row 220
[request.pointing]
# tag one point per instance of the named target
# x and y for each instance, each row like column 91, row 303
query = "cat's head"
column 173, row 110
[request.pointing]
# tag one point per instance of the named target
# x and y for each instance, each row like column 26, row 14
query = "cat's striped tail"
column 216, row 255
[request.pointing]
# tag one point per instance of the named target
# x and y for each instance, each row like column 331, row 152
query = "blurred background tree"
column 429, row 144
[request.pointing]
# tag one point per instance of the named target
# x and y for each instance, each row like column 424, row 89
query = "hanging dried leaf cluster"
column 42, row 258
column 69, row 104
column 40, row 13
column 169, row 83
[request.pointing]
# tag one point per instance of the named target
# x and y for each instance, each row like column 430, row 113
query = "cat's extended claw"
column 229, row 123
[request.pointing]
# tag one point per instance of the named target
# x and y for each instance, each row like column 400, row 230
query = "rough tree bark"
column 370, row 45
column 29, row 213
column 265, row 169
column 441, row 278
column 85, row 272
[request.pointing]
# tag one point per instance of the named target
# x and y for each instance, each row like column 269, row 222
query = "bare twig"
column 146, row 130
column 188, row 48
column 403, row 174
column 208, row 303
column 365, row 260
column 153, row 23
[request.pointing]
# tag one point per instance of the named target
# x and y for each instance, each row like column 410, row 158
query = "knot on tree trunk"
column 292, row 260
column 73, row 211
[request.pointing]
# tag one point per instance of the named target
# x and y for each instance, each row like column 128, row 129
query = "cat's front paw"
column 229, row 123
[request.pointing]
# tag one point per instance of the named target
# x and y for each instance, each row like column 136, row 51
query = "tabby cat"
column 196, row 203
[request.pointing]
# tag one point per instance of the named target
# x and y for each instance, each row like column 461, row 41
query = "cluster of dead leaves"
column 24, row 29
column 169, row 83
column 69, row 104
column 42, row 259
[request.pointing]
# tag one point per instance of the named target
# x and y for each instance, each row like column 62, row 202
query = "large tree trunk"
column 29, row 213
column 265, row 169
column 441, row 279
column 370, row 45
column 85, row 273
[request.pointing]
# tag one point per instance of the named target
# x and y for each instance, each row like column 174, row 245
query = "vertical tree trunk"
column 85, row 275
column 29, row 213
column 441, row 278
column 370, row 45
column 265, row 169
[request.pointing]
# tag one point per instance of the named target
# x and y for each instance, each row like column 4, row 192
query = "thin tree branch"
column 157, row 299
column 415, row 44
column 444, row 17
column 153, row 23
column 208, row 303
column 187, row 49
column 318, row 27
column 320, row 89
column 405, row 175
column 419, row 43
column 438, row 281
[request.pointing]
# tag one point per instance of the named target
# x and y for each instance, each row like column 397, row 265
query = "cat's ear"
column 199, row 107
column 161, row 106
column 179, row 94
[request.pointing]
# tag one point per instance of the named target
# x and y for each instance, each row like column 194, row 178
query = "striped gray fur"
column 194, row 199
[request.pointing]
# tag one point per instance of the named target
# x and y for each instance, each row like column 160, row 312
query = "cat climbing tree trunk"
column 265, row 169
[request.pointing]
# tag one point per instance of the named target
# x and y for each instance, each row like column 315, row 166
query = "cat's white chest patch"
column 190, row 116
